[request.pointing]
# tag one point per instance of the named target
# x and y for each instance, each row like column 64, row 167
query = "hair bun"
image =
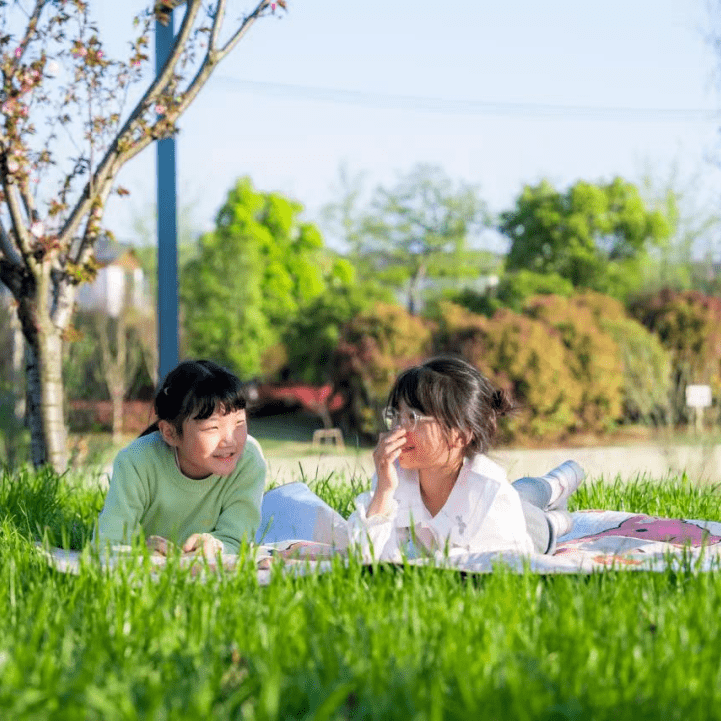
column 501, row 402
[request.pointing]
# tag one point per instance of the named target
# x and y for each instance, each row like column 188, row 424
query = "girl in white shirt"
column 434, row 487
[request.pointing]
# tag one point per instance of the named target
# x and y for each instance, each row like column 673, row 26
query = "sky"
column 497, row 94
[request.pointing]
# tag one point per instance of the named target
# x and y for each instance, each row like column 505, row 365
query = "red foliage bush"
column 84, row 416
column 374, row 348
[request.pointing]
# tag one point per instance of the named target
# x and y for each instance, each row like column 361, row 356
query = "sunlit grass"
column 674, row 497
column 379, row 643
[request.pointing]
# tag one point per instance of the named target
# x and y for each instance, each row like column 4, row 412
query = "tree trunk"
column 33, row 405
column 414, row 289
column 45, row 406
column 117, row 401
column 45, row 411
column 18, row 379
column 52, row 393
column 114, row 362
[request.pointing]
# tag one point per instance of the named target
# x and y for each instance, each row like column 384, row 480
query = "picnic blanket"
column 298, row 529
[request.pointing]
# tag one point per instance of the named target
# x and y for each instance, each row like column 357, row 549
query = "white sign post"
column 698, row 397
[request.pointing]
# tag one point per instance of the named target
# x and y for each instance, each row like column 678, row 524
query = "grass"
column 288, row 435
column 380, row 643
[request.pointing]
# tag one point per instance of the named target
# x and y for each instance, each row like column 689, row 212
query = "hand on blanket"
column 203, row 543
column 386, row 452
column 159, row 545
column 197, row 543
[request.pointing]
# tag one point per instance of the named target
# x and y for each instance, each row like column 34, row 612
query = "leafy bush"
column 313, row 334
column 646, row 365
column 646, row 372
column 576, row 363
column 688, row 325
column 374, row 347
column 517, row 287
column 524, row 356
column 513, row 290
column 594, row 356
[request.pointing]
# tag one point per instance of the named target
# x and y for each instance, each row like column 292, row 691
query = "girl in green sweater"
column 195, row 477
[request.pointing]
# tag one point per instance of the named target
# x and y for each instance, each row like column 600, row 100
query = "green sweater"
column 149, row 495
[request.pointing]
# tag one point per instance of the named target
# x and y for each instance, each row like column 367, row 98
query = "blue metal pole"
column 168, row 352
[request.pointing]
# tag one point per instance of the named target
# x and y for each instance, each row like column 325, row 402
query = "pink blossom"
column 18, row 52
column 13, row 165
column 52, row 68
column 99, row 55
column 159, row 109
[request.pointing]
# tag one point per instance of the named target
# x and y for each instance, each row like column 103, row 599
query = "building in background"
column 120, row 281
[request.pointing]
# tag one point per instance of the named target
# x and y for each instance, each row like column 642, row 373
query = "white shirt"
column 482, row 514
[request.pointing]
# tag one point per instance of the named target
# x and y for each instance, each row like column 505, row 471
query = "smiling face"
column 208, row 446
column 427, row 446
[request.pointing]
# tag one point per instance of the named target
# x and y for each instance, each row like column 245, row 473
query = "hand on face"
column 386, row 452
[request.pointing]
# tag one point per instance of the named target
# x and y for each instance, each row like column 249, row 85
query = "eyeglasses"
column 409, row 420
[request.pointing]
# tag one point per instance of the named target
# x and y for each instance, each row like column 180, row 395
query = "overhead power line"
column 470, row 107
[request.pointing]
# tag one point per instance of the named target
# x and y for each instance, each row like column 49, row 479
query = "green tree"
column 597, row 236
column 253, row 275
column 342, row 217
column 59, row 82
column 694, row 223
column 420, row 228
column 323, row 321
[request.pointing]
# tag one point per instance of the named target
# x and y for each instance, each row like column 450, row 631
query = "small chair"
column 328, row 435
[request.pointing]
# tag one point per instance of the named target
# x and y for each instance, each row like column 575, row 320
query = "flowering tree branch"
column 20, row 232
column 57, row 84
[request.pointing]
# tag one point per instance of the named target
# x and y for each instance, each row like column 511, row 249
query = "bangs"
column 416, row 387
column 209, row 395
column 430, row 392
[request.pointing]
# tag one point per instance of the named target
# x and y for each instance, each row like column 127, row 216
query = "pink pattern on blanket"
column 667, row 530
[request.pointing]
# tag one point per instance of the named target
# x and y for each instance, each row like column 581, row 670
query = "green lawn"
column 410, row 643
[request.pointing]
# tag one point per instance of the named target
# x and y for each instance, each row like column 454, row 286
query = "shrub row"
column 579, row 363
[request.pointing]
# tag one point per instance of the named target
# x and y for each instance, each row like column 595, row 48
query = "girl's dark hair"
column 457, row 395
column 196, row 389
